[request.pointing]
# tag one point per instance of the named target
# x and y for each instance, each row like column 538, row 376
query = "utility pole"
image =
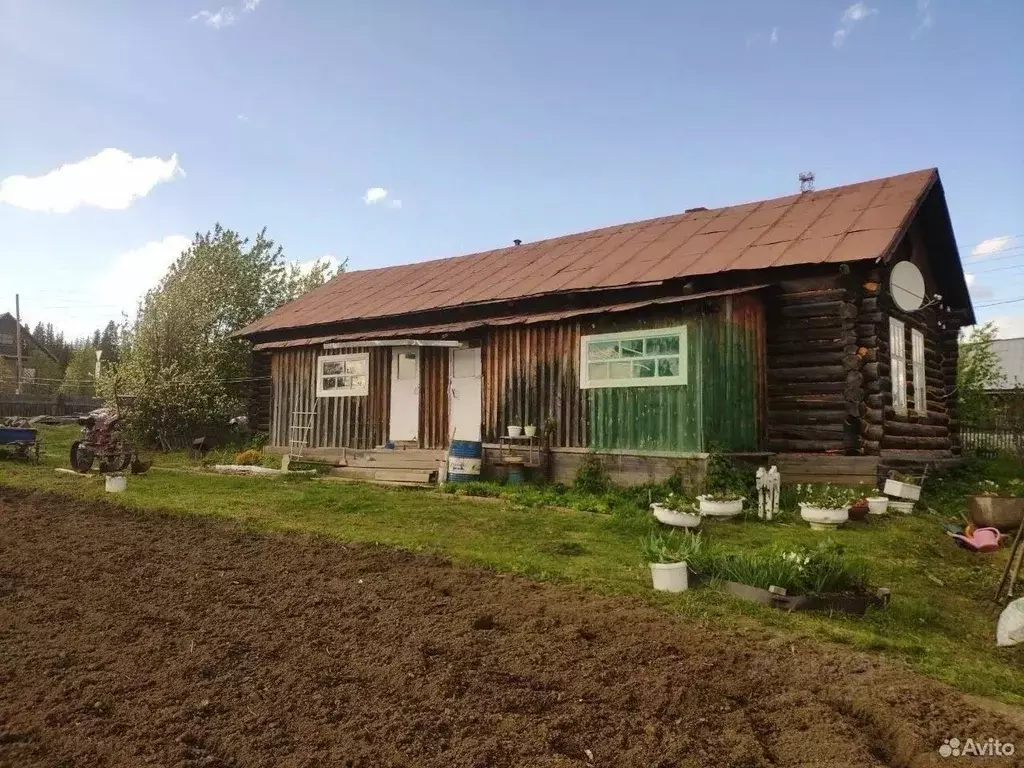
column 17, row 340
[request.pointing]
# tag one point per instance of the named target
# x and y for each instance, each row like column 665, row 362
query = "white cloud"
column 990, row 246
column 851, row 16
column 306, row 266
column 1009, row 326
column 375, row 195
column 925, row 20
column 395, row 203
column 763, row 38
column 111, row 179
column 774, row 38
column 242, row 118
column 978, row 292
column 225, row 17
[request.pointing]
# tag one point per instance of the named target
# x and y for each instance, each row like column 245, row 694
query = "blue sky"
column 518, row 120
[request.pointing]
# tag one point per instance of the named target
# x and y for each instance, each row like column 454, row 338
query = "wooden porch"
column 386, row 466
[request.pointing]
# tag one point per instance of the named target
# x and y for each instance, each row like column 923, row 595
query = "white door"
column 405, row 393
column 465, row 405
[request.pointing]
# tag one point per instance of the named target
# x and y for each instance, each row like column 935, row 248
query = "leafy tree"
column 79, row 377
column 978, row 370
column 179, row 359
column 109, row 343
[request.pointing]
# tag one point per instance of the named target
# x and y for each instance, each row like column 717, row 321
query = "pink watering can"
column 981, row 540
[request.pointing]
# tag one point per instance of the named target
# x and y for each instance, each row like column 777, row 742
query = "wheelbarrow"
column 23, row 441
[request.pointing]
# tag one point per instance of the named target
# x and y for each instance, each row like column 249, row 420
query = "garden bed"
column 857, row 605
column 188, row 642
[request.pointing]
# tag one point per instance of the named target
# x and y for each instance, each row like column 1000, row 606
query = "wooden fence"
column 1004, row 439
column 45, row 405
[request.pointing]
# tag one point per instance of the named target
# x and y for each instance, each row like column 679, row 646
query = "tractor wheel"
column 79, row 457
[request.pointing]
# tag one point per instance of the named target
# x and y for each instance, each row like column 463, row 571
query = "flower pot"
column 674, row 517
column 529, row 431
column 724, row 509
column 901, row 489
column 996, row 512
column 903, row 507
column 670, row 577
column 823, row 518
column 514, row 431
column 878, row 505
column 859, row 510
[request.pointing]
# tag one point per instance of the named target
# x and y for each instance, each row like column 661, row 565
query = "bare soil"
column 133, row 639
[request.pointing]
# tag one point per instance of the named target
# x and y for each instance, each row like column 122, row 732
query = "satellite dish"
column 906, row 284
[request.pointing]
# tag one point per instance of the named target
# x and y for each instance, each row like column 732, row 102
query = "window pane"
column 602, row 350
column 333, row 367
column 357, row 382
column 643, row 369
column 330, row 382
column 663, row 345
column 620, row 370
column 632, row 347
column 597, row 371
column 668, row 366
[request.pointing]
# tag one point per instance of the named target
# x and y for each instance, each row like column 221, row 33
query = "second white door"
column 465, row 394
column 405, row 393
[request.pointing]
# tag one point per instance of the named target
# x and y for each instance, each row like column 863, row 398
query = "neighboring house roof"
column 28, row 335
column 1011, row 359
column 842, row 224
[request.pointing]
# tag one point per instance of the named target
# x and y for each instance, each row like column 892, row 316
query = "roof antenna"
column 807, row 181
column 517, row 241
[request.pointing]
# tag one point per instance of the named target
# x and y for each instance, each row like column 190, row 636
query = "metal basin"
column 996, row 512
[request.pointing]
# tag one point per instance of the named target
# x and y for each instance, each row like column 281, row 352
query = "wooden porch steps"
column 392, row 475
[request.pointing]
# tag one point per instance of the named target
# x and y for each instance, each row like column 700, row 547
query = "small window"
column 920, row 377
column 898, row 364
column 7, row 339
column 634, row 359
column 342, row 375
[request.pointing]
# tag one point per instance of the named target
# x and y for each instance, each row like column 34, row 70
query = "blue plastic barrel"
column 464, row 460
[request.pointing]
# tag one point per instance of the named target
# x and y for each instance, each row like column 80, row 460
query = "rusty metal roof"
column 520, row 319
column 849, row 223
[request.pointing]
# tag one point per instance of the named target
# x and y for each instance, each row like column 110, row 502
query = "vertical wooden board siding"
column 351, row 422
column 731, row 380
column 530, row 376
column 433, row 399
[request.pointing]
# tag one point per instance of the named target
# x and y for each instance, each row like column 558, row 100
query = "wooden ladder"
column 300, row 430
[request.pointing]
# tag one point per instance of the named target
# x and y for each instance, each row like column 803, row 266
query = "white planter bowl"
column 901, row 489
column 674, row 517
column 670, row 577
column 530, row 431
column 515, row 431
column 823, row 518
column 877, row 505
column 116, row 483
column 723, row 509
column 906, row 507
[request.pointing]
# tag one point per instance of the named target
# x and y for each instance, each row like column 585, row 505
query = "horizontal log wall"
column 813, row 370
column 349, row 422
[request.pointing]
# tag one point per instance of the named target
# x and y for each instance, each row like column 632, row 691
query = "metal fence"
column 28, row 406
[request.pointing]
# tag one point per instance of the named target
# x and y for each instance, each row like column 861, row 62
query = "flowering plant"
column 827, row 496
column 1011, row 489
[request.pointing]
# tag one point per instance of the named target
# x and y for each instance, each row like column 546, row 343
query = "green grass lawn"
column 941, row 620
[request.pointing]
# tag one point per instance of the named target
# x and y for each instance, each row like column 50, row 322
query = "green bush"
column 591, row 477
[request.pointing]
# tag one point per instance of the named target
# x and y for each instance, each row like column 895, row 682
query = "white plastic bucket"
column 670, row 577
column 878, row 505
column 116, row 483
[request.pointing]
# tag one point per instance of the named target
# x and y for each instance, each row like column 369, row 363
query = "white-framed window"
column 652, row 358
column 898, row 364
column 343, row 375
column 920, row 380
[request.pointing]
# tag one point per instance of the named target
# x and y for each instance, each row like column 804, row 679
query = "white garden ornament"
column 769, row 484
